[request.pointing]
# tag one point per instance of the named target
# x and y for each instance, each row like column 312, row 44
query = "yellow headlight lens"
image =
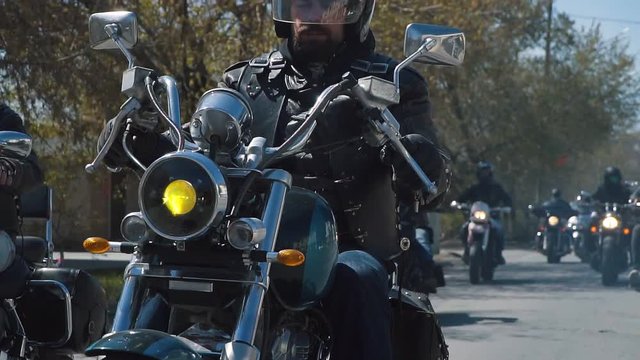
column 480, row 215
column 179, row 197
column 553, row 220
column 610, row 222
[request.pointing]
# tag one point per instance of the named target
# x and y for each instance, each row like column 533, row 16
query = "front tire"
column 552, row 253
column 608, row 267
column 475, row 263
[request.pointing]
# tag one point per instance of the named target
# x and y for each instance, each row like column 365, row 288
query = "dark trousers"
column 635, row 248
column 358, row 308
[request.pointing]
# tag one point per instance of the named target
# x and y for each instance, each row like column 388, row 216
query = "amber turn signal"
column 290, row 257
column 626, row 231
column 594, row 229
column 96, row 245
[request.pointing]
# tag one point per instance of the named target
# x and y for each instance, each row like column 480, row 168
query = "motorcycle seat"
column 33, row 249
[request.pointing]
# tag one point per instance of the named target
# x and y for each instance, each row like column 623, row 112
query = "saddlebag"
column 416, row 332
column 43, row 308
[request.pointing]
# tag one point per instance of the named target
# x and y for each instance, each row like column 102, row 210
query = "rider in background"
column 489, row 191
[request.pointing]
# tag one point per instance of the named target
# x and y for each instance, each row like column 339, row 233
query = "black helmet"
column 556, row 193
column 484, row 171
column 612, row 176
column 357, row 19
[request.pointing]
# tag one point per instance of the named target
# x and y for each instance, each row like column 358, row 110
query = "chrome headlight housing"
column 182, row 195
column 610, row 222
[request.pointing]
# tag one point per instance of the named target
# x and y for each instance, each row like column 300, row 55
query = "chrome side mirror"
column 15, row 144
column 447, row 48
column 105, row 27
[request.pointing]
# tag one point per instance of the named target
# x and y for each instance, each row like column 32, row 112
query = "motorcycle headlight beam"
column 480, row 215
column 553, row 220
column 610, row 223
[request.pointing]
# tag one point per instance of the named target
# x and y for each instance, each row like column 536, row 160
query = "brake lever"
column 127, row 108
column 388, row 125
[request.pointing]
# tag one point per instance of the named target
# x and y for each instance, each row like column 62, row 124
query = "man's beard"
column 313, row 49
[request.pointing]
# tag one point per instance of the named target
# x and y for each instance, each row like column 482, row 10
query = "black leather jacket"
column 559, row 207
column 491, row 193
column 337, row 163
column 30, row 174
column 618, row 194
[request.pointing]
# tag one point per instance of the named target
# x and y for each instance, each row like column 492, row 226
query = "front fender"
column 149, row 344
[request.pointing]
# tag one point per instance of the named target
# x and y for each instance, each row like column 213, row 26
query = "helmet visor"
column 317, row 11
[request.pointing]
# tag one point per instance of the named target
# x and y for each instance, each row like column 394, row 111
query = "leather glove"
column 10, row 172
column 423, row 151
column 116, row 157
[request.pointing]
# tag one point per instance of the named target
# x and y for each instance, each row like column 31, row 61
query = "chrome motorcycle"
column 552, row 237
column 214, row 218
column 479, row 243
column 612, row 255
column 46, row 313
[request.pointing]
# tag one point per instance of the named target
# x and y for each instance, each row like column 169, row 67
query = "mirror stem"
column 425, row 48
column 113, row 30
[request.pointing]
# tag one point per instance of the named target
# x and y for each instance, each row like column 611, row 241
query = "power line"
column 623, row 21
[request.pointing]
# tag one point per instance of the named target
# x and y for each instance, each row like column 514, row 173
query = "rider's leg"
column 634, row 275
column 496, row 228
column 358, row 308
column 464, row 233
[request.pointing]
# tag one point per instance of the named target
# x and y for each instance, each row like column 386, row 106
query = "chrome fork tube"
column 127, row 310
column 245, row 331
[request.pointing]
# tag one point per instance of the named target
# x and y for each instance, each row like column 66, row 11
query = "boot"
column 634, row 279
column 465, row 255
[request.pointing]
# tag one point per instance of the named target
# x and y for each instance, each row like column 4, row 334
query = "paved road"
column 534, row 310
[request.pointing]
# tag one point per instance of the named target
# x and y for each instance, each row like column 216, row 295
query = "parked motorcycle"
column 214, row 218
column 480, row 243
column 612, row 255
column 58, row 311
column 552, row 237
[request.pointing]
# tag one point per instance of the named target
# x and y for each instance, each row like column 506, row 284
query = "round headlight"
column 573, row 220
column 553, row 220
column 182, row 195
column 134, row 229
column 480, row 215
column 610, row 222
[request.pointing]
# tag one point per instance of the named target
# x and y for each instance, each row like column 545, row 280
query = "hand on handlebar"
column 425, row 154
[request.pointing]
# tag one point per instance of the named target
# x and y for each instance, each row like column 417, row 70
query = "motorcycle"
column 57, row 312
column 480, row 243
column 612, row 255
column 214, row 218
column 552, row 238
column 584, row 234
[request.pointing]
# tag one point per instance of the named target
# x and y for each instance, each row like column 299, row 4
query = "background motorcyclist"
column 634, row 274
column 16, row 176
column 556, row 205
column 613, row 189
column 363, row 184
column 487, row 190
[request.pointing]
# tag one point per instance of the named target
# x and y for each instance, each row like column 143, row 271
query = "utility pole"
column 547, row 57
